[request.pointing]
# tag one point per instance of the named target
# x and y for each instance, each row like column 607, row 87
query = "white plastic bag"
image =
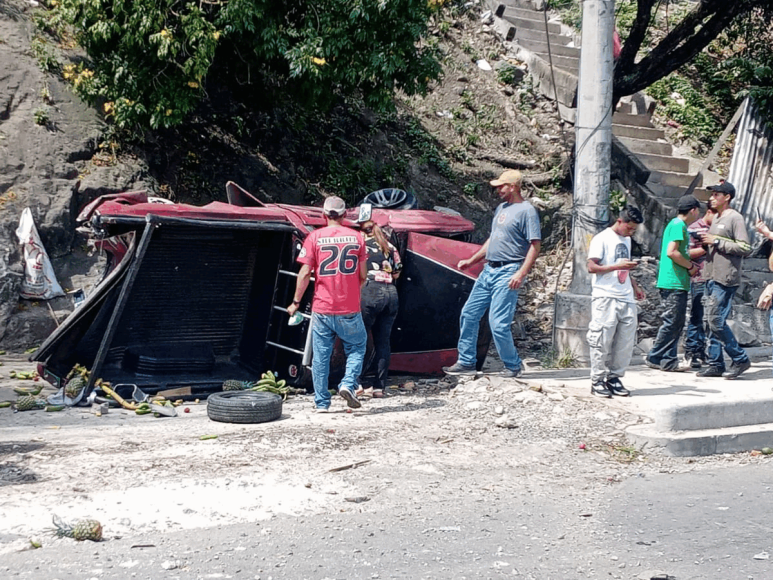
column 39, row 278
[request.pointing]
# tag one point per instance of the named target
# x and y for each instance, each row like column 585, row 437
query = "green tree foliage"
column 150, row 60
column 748, row 71
column 687, row 32
column 705, row 92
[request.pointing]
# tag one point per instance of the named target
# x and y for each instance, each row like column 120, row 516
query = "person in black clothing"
column 379, row 296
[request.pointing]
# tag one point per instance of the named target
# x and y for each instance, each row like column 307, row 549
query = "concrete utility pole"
column 593, row 133
column 592, row 169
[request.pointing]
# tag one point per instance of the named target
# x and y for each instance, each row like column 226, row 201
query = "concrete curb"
column 702, row 442
column 688, row 415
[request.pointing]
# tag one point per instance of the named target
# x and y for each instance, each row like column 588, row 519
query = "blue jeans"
column 490, row 292
column 350, row 329
column 771, row 321
column 718, row 301
column 695, row 342
column 663, row 351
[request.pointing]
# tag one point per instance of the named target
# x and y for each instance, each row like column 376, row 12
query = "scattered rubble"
column 537, row 432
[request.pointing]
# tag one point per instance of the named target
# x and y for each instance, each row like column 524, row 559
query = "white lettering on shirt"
column 337, row 240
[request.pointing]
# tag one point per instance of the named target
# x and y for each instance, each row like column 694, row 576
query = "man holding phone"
column 728, row 243
column 674, row 274
column 614, row 316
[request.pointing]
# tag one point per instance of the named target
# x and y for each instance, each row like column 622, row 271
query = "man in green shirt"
column 674, row 284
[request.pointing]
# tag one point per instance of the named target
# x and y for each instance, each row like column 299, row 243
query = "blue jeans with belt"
column 490, row 292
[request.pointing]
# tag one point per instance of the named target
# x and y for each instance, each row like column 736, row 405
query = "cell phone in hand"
column 694, row 234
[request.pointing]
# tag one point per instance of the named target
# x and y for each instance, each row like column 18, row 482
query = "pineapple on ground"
column 77, row 379
column 74, row 386
column 27, row 402
column 233, row 385
column 82, row 530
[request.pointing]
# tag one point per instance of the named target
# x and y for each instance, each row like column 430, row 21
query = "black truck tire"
column 243, row 407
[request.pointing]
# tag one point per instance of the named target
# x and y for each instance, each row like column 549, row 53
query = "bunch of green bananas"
column 23, row 392
column 146, row 408
column 24, row 375
column 268, row 383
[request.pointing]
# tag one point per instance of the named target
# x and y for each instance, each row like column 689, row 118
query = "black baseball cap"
column 725, row 187
column 686, row 203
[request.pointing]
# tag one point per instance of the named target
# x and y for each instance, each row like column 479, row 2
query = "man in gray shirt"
column 511, row 250
column 727, row 243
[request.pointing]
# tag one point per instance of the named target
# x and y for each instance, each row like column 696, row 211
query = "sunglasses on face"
column 368, row 229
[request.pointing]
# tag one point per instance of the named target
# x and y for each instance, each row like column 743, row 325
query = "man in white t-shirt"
column 612, row 330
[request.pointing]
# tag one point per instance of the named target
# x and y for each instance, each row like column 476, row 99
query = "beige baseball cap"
column 510, row 176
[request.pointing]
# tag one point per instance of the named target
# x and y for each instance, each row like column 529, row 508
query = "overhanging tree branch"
column 636, row 35
column 696, row 31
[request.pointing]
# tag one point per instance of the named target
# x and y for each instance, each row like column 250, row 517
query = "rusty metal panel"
column 751, row 170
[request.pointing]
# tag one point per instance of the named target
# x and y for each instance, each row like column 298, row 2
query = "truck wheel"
column 241, row 407
column 391, row 198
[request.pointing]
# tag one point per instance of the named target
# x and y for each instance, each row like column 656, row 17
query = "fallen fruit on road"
column 82, row 530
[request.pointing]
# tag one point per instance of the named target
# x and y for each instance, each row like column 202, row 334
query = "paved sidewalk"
column 690, row 415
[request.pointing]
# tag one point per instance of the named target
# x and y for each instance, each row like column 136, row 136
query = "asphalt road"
column 701, row 525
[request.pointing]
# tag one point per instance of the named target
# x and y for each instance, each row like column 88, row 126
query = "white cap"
column 334, row 205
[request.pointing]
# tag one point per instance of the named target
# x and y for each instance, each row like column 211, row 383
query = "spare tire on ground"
column 244, row 407
column 391, row 199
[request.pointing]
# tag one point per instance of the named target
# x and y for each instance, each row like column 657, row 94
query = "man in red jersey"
column 337, row 256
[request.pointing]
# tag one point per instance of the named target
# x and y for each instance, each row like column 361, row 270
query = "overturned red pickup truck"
column 193, row 296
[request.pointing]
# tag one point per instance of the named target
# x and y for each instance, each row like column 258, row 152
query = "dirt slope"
column 54, row 156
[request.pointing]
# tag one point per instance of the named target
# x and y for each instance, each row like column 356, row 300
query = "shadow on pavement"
column 689, row 390
column 760, row 374
column 13, row 472
column 407, row 407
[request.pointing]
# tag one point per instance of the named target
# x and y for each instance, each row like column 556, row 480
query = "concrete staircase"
column 522, row 22
column 670, row 174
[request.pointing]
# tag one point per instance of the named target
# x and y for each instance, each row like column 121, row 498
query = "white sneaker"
column 322, row 409
column 684, row 365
